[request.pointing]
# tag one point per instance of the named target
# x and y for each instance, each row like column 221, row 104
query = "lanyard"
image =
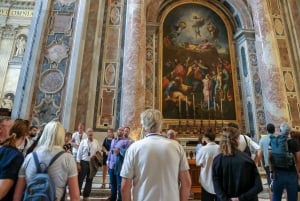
column 153, row 134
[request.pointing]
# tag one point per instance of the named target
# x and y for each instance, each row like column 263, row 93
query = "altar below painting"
column 195, row 128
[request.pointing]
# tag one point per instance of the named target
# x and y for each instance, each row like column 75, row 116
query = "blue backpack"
column 281, row 157
column 41, row 187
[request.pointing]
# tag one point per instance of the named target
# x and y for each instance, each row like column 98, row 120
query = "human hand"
column 116, row 151
column 234, row 199
column 271, row 175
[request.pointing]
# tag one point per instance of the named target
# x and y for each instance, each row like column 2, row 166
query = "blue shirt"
column 122, row 145
column 264, row 143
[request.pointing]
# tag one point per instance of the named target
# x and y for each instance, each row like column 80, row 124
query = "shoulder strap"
column 25, row 143
column 54, row 158
column 36, row 162
column 245, row 140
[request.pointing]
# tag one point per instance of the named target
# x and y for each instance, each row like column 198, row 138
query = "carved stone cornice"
column 18, row 4
column 8, row 31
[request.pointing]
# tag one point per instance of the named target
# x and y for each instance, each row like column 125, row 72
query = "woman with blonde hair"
column 63, row 171
column 11, row 159
column 235, row 175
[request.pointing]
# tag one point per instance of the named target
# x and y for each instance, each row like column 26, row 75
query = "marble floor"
column 99, row 194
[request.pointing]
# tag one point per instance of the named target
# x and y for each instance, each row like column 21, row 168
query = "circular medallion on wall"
column 278, row 26
column 110, row 74
column 288, row 77
column 51, row 81
column 115, row 15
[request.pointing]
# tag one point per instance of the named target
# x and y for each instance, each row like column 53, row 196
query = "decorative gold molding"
column 16, row 12
column 232, row 58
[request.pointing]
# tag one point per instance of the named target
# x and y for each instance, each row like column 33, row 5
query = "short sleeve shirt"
column 63, row 168
column 10, row 162
column 264, row 144
column 154, row 164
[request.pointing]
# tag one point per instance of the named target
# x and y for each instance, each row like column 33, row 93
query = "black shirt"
column 236, row 176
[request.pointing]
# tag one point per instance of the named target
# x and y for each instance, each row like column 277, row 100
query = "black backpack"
column 41, row 186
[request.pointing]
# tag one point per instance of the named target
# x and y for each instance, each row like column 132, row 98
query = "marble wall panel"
column 83, row 103
column 110, row 74
column 284, row 53
column 278, row 26
column 106, row 109
column 65, row 2
column 289, row 81
column 115, row 15
column 53, row 69
column 274, row 7
column 62, row 23
column 112, row 44
column 294, row 110
column 150, row 70
column 294, row 8
column 110, row 67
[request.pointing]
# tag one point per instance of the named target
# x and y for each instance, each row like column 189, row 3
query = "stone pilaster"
column 133, row 80
column 274, row 96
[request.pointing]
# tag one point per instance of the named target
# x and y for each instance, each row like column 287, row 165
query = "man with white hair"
column 171, row 134
column 155, row 152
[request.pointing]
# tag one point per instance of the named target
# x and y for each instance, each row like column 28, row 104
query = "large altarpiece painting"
column 197, row 64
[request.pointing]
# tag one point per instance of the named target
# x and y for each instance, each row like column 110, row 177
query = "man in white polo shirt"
column 76, row 139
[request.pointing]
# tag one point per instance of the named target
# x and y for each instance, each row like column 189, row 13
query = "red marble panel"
column 274, row 7
column 87, row 64
column 106, row 115
column 294, row 110
column 112, row 45
column 61, row 23
column 284, row 53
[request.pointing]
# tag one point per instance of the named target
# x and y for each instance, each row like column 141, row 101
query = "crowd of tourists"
column 46, row 160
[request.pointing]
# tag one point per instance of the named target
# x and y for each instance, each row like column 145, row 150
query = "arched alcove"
column 237, row 15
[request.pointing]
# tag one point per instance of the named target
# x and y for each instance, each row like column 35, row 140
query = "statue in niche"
column 20, row 46
column 7, row 102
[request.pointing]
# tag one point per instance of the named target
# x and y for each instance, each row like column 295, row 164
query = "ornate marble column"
column 133, row 78
column 274, row 94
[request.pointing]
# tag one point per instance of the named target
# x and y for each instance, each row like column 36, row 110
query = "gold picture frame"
column 197, row 82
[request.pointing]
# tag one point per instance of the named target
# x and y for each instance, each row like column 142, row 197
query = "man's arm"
column 270, row 164
column 73, row 141
column 297, row 156
column 259, row 157
column 73, row 188
column 186, row 183
column 6, row 185
column 20, row 186
column 126, row 189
